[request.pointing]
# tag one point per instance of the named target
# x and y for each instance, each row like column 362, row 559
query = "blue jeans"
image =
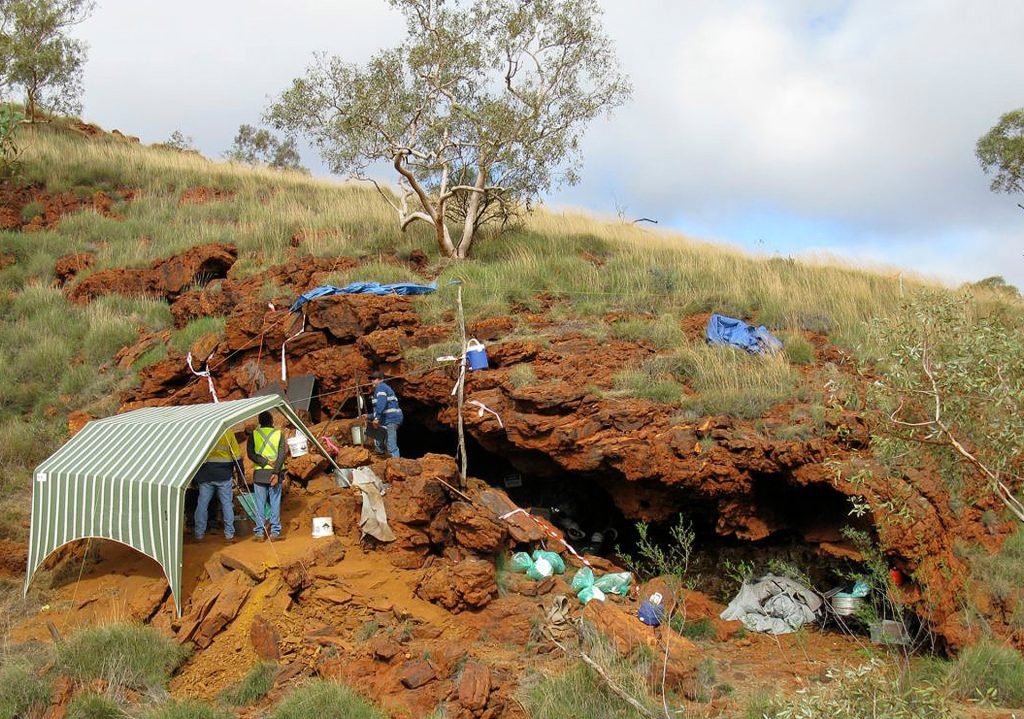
column 223, row 491
column 385, row 437
column 262, row 492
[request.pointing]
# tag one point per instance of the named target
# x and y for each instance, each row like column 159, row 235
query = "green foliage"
column 797, row 349
column 648, row 382
column 427, row 106
column 91, row 705
column 367, row 630
column 10, row 122
column 1001, row 150
column 522, row 375
column 989, row 671
column 32, row 210
column 129, row 655
column 947, row 351
column 254, row 685
column 870, row 691
column 259, row 147
column 702, row 629
column 326, row 700
column 657, row 558
column 579, row 692
column 762, row 705
column 663, row 333
column 186, row 709
column 1002, row 573
column 997, row 285
column 20, row 690
column 183, row 339
column 41, row 59
column 181, row 142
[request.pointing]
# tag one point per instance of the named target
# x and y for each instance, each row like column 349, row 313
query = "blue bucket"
column 476, row 354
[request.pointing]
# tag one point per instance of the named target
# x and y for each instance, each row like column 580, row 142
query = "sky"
column 843, row 128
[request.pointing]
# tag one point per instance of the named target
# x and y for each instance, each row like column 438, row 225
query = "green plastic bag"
column 584, row 578
column 556, row 561
column 540, row 569
column 615, row 583
column 520, row 563
column 589, row 593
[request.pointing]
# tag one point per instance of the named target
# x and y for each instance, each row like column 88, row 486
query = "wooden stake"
column 461, row 391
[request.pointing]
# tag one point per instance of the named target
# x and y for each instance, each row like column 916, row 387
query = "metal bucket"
column 846, row 606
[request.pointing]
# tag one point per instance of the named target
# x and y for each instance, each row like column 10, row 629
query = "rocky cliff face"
column 564, row 421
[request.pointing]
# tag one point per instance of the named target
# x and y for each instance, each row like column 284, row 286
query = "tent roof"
column 122, row 478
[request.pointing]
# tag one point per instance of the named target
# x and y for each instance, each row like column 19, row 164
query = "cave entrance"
column 779, row 526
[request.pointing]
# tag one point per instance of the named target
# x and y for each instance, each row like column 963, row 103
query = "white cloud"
column 854, row 114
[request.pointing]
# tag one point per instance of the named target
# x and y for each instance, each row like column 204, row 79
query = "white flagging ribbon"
column 550, row 533
column 484, row 408
column 284, row 361
column 205, row 373
column 462, row 374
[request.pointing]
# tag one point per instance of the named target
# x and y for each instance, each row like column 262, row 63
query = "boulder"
column 415, row 673
column 265, row 640
column 475, row 528
column 474, row 686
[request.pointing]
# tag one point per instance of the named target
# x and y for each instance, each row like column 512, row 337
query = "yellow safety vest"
column 266, row 440
column 226, row 449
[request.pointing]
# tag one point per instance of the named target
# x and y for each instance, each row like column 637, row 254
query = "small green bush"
column 254, row 686
column 798, row 350
column 183, row 339
column 701, row 629
column 131, row 655
column 187, row 709
column 762, row 705
column 575, row 693
column 32, row 210
column 326, row 700
column 522, row 375
column 21, row 690
column 91, row 705
column 663, row 333
column 989, row 670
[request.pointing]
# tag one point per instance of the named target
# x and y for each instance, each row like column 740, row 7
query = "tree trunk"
column 472, row 211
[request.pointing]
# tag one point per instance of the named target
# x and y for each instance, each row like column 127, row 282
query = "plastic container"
column 298, row 445
column 888, row 632
column 476, row 354
column 322, row 527
column 846, row 606
column 358, row 435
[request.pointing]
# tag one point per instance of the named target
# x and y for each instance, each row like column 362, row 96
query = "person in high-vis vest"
column 386, row 417
column 214, row 477
column 266, row 449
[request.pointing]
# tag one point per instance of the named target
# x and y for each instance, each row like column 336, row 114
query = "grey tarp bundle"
column 374, row 518
column 123, row 478
column 775, row 605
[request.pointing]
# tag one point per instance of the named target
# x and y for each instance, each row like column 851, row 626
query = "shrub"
column 522, row 375
column 646, row 383
column 701, row 629
column 254, row 685
column 91, row 705
column 798, row 350
column 989, row 670
column 183, row 339
column 870, row 690
column 762, row 705
column 663, row 333
column 325, row 700
column 20, row 690
column 130, row 655
column 187, row 709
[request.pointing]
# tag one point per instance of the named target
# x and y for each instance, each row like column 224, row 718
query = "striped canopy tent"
column 123, row 478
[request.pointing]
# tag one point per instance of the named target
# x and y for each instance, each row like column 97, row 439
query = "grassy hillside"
column 55, row 356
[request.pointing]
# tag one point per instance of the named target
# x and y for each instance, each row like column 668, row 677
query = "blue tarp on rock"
column 724, row 330
column 364, row 288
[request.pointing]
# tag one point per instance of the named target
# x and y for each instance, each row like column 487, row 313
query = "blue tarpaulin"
column 724, row 330
column 365, row 288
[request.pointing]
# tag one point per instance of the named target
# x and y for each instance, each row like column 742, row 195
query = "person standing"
column 214, row 477
column 386, row 416
column 266, row 449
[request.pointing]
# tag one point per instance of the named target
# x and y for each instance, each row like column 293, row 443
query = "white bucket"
column 298, row 445
column 322, row 527
column 357, row 435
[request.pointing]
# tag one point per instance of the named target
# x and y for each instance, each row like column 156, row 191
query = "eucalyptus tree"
column 1001, row 151
column 483, row 104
